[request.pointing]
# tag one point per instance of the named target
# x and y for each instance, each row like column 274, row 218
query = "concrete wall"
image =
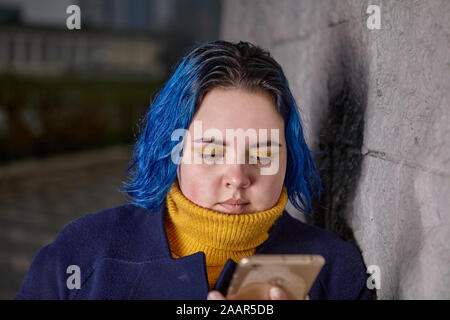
column 376, row 102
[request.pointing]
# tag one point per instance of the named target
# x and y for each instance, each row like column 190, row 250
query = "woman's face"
column 209, row 184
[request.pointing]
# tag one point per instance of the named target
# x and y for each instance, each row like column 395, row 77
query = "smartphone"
column 294, row 273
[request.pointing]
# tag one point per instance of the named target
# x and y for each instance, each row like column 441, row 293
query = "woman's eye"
column 208, row 151
column 262, row 160
column 261, row 156
column 211, row 152
column 211, row 155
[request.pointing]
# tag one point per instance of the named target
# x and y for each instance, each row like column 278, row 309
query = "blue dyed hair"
column 210, row 65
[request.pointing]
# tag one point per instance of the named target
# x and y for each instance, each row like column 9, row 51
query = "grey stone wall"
column 376, row 104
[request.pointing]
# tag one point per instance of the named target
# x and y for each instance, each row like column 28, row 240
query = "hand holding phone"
column 293, row 273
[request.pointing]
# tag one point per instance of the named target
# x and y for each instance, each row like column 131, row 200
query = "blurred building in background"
column 117, row 37
column 47, row 51
column 71, row 104
column 121, row 44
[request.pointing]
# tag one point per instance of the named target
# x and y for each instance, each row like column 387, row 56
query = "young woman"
column 221, row 153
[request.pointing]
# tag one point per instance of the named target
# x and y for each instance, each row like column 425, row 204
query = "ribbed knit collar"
column 192, row 228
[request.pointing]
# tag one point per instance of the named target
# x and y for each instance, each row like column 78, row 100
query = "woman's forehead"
column 236, row 108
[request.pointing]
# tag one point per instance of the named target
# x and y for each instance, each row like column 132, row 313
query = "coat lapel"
column 164, row 277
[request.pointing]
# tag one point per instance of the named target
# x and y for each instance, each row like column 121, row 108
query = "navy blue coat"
column 123, row 253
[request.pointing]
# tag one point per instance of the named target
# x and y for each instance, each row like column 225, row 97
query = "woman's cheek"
column 195, row 184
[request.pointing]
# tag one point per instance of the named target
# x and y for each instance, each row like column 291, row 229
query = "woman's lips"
column 234, row 208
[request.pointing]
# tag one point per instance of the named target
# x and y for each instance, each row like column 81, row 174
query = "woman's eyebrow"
column 260, row 144
column 266, row 144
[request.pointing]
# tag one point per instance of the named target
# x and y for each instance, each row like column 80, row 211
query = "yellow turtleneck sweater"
column 191, row 228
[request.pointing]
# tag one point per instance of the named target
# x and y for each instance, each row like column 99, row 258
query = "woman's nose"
column 236, row 176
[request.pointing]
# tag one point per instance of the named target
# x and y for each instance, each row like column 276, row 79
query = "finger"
column 307, row 297
column 276, row 293
column 215, row 295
